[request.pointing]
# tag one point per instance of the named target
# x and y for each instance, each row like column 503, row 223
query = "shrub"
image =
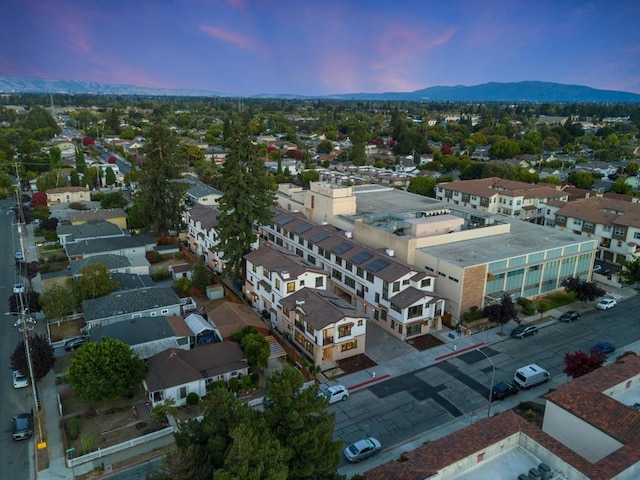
column 528, row 307
column 474, row 313
column 160, row 275
column 182, row 285
column 86, row 444
column 234, row 385
column 73, row 428
column 154, row 257
column 193, row 398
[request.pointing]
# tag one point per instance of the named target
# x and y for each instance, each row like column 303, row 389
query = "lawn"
column 68, row 329
column 556, row 300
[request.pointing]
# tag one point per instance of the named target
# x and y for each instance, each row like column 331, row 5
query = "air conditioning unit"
column 390, row 252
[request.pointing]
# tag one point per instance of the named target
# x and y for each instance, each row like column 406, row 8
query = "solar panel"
column 358, row 258
column 284, row 220
column 343, row 247
column 318, row 237
column 302, row 228
column 378, row 265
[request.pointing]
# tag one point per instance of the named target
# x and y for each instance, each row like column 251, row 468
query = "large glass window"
column 415, row 311
column 344, row 330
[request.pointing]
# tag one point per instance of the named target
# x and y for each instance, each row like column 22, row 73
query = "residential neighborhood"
column 266, row 271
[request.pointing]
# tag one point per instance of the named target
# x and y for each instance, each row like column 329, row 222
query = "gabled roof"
column 197, row 324
column 231, row 317
column 129, row 301
column 109, row 260
column 409, row 296
column 93, row 229
column 105, row 245
column 138, row 331
column 320, row 308
column 173, row 367
column 93, row 215
column 603, row 211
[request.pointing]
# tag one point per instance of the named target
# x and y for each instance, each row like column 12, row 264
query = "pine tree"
column 246, row 203
column 159, row 200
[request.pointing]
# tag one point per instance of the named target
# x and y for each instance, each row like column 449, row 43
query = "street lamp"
column 493, row 377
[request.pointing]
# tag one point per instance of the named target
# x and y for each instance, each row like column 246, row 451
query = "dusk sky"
column 249, row 47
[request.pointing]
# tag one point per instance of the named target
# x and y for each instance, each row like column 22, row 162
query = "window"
column 405, row 282
column 360, row 272
column 383, row 315
column 425, row 283
column 619, row 231
column 291, row 287
column 377, row 297
column 337, row 274
column 311, row 259
column 349, row 345
column 350, row 281
column 344, row 330
column 183, row 392
column 369, row 277
column 396, row 286
column 277, row 284
column 164, row 311
column 396, row 308
column 360, row 322
column 319, row 282
column 415, row 311
column 348, row 265
column 254, row 267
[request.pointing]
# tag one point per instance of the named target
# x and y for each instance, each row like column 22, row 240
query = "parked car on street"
column 336, row 393
column 603, row 347
column 365, row 448
column 503, row 390
column 22, row 426
column 522, row 331
column 20, row 380
column 569, row 316
column 606, row 304
column 18, row 288
column 19, row 256
column 75, row 342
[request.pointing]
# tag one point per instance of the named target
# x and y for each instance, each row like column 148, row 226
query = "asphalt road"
column 14, row 456
column 404, row 407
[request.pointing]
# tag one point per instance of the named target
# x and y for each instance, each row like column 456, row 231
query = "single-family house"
column 176, row 373
column 137, row 265
column 68, row 195
column 88, row 231
column 129, row 246
column 130, row 304
column 113, row 215
column 147, row 335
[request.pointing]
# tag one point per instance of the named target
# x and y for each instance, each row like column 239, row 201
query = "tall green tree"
column 423, row 186
column 246, row 202
column 159, row 198
column 57, row 301
column 110, row 176
column 105, row 370
column 94, row 281
column 631, row 271
column 81, row 164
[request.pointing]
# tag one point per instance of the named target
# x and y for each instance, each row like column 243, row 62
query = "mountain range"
column 529, row 92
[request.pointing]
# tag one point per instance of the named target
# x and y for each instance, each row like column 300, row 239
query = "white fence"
column 102, row 452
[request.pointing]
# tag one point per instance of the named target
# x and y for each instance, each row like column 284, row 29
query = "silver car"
column 365, row 448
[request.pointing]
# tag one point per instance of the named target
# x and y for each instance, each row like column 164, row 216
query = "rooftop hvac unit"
column 348, row 234
column 523, row 476
column 545, row 471
column 390, row 252
column 534, row 474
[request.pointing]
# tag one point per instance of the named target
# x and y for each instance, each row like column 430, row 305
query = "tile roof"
column 604, row 211
column 129, row 301
column 321, row 308
column 174, row 367
column 489, row 187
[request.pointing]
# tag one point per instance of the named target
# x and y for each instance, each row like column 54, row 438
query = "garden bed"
column 66, row 329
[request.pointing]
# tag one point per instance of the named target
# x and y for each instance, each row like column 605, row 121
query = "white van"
column 530, row 376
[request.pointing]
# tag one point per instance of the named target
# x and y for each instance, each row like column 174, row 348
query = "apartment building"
column 202, row 237
column 524, row 201
column 475, row 255
column 612, row 222
column 399, row 297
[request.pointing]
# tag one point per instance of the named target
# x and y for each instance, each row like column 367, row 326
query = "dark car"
column 522, row 331
column 603, row 347
column 22, row 426
column 569, row 316
column 503, row 390
column 75, row 342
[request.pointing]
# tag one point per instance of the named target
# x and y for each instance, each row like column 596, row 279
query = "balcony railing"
column 328, row 340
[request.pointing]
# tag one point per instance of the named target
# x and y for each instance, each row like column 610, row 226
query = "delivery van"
column 530, row 376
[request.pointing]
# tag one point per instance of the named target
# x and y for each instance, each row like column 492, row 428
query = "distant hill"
column 530, row 91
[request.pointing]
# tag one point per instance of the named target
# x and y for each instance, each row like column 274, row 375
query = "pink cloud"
column 234, row 38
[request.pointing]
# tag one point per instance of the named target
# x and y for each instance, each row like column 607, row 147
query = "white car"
column 606, row 304
column 18, row 288
column 336, row 393
column 19, row 380
column 365, row 448
column 19, row 256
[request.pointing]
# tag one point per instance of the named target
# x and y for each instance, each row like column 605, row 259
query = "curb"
column 369, row 382
column 458, row 352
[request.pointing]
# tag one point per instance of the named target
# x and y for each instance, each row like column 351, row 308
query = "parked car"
column 18, row 288
column 569, row 316
column 522, row 331
column 336, row 393
column 603, row 347
column 503, row 390
column 606, row 304
column 22, row 426
column 20, row 380
column 75, row 342
column 19, row 256
column 365, row 448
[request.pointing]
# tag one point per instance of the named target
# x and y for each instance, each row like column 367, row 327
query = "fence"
column 102, row 452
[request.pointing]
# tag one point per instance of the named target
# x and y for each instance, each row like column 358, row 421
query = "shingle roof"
column 321, row 308
column 177, row 367
column 135, row 331
column 93, row 215
column 280, row 261
column 129, row 301
column 104, row 245
column 205, row 214
column 604, row 211
column 53, row 191
column 94, row 229
column 409, row 296
column 231, row 317
column 109, row 260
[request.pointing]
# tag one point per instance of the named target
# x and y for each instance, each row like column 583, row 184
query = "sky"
column 322, row 47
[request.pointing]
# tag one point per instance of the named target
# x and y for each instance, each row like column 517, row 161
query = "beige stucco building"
column 67, row 195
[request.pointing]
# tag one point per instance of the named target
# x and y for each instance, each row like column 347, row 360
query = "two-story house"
column 68, row 195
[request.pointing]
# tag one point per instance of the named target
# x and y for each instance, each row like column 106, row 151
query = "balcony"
column 328, row 340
